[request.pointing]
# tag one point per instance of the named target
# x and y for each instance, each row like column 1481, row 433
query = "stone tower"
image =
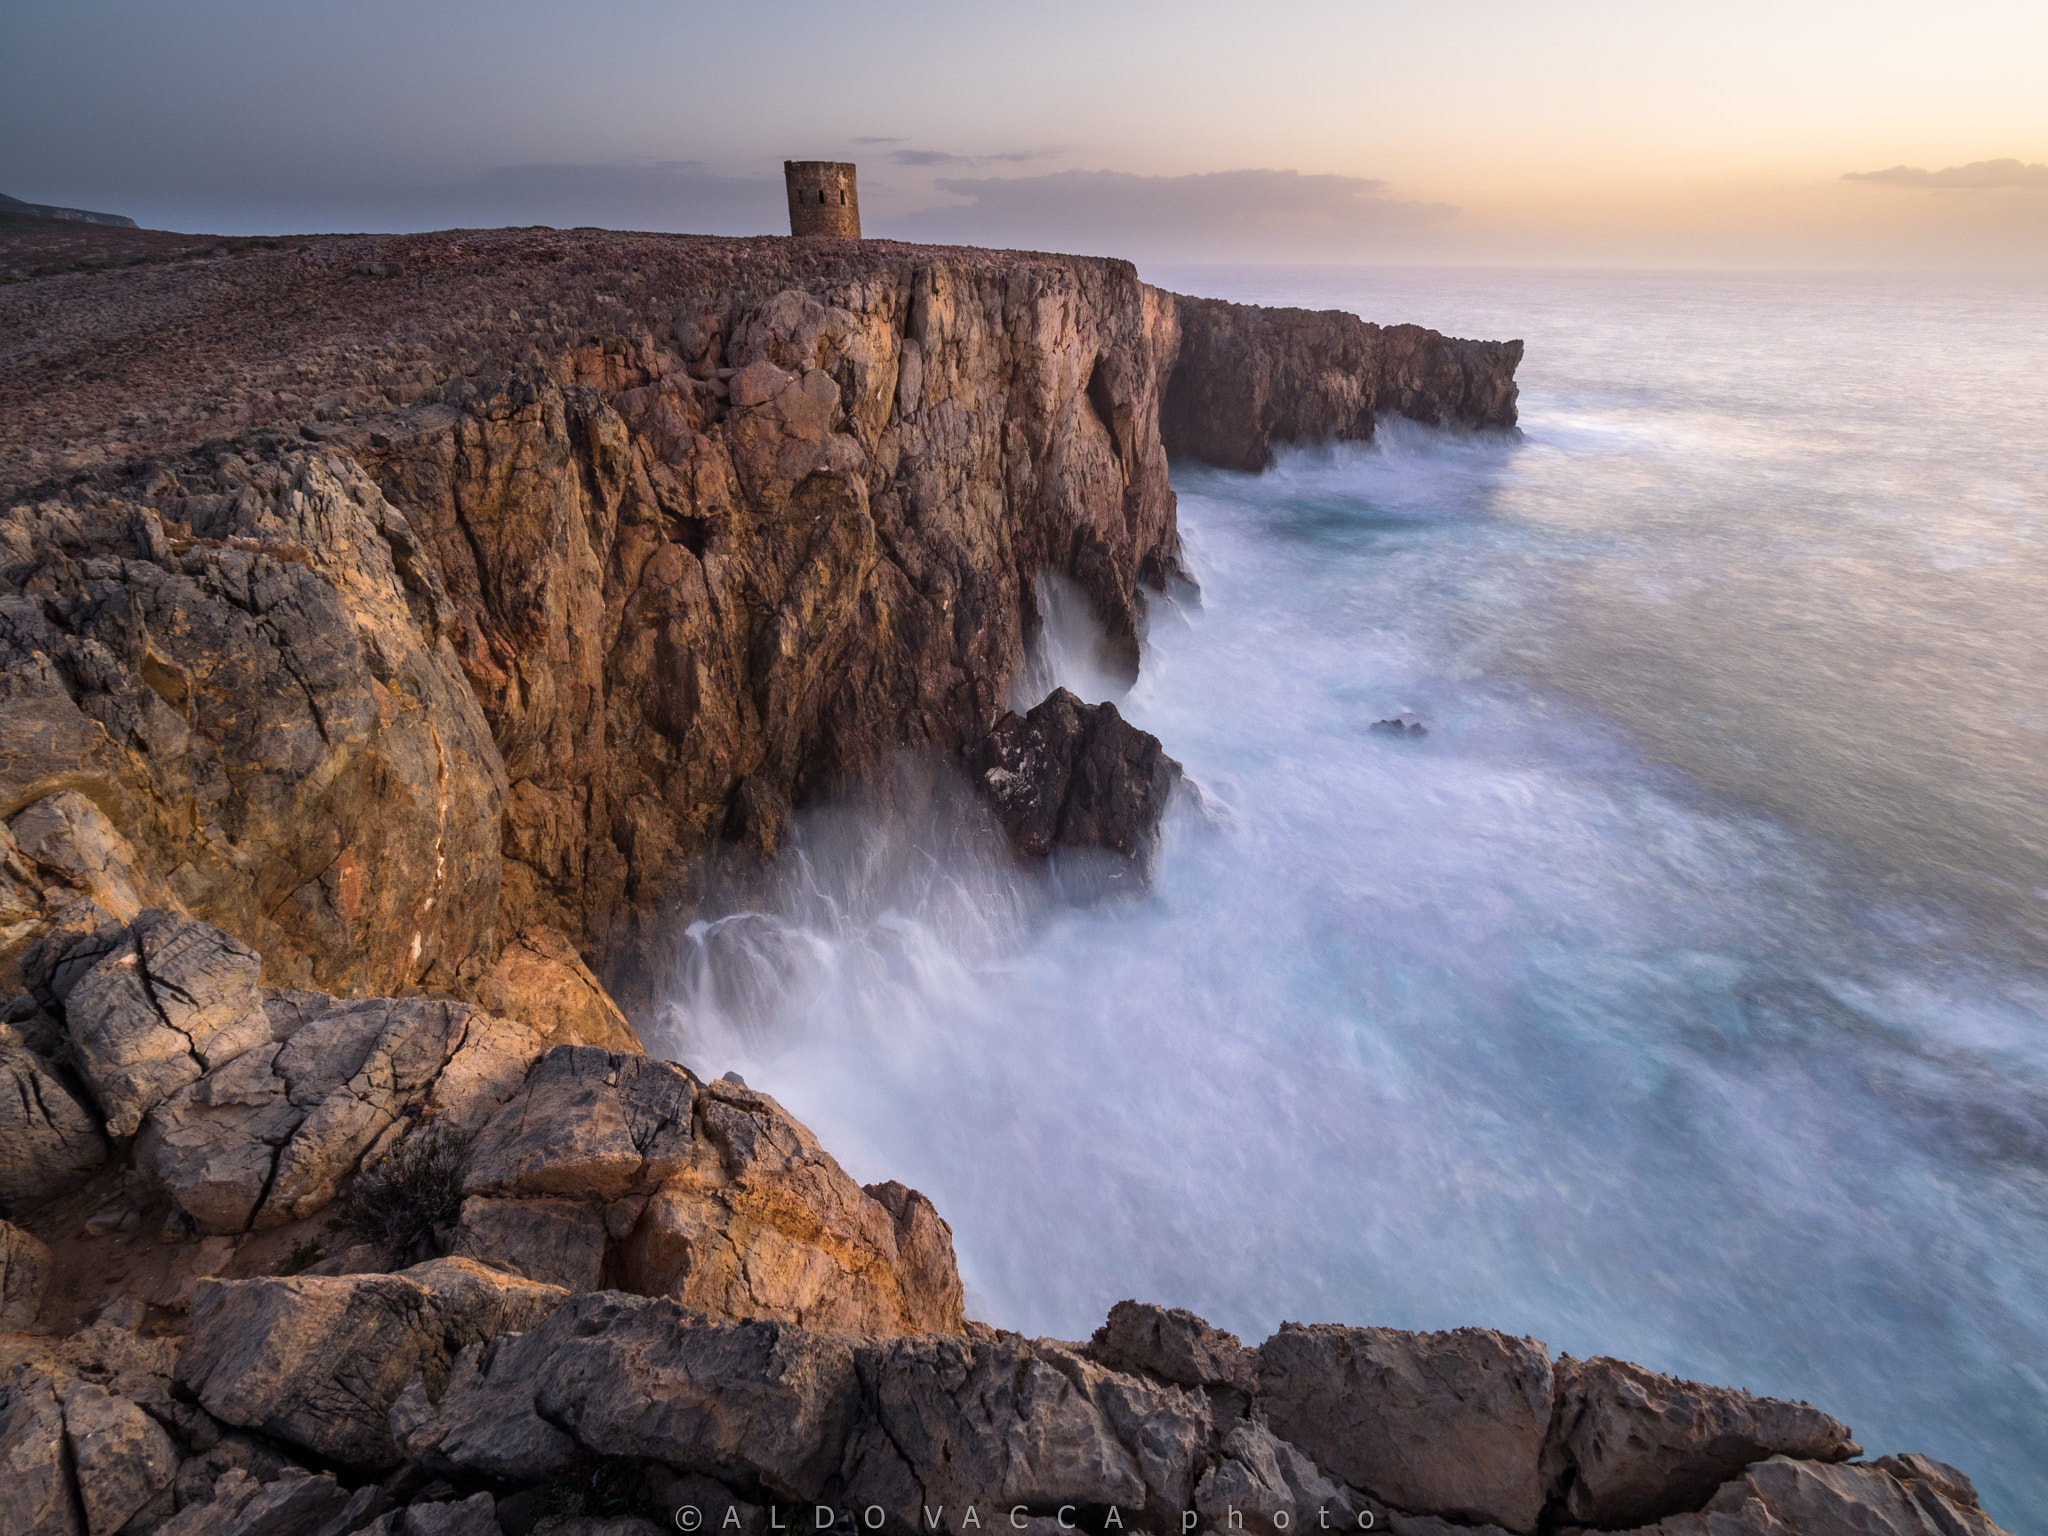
column 823, row 199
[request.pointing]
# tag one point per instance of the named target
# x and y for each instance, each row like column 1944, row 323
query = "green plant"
column 398, row 1201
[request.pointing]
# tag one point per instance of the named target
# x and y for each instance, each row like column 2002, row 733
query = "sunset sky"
column 1471, row 131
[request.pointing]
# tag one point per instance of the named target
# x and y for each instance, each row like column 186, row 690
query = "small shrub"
column 398, row 1201
column 304, row 1257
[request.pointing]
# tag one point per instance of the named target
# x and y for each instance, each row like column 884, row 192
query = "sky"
column 1578, row 133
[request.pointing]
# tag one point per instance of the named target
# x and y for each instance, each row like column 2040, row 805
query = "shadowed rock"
column 1633, row 1446
column 1439, row 1423
column 1075, row 775
column 1171, row 1342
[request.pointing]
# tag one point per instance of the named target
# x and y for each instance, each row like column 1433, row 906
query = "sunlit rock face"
column 523, row 570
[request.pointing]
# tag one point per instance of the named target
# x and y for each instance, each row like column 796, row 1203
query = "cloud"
column 1977, row 176
column 1249, row 213
column 942, row 157
column 877, row 139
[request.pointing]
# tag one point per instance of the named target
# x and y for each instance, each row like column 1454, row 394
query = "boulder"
column 297, row 1503
column 121, row 1461
column 268, row 1137
column 318, row 1361
column 1448, row 1424
column 763, row 1223
column 476, row 1515
column 587, row 1125
column 1631, row 1446
column 1074, row 775
column 557, row 1242
column 24, row 1271
column 36, row 1497
column 49, row 1141
column 1910, row 1467
column 1806, row 1498
column 1173, row 1343
column 1015, row 1421
column 1268, row 1482
column 169, row 1002
column 750, row 1404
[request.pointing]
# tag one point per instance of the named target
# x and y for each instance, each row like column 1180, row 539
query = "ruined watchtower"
column 823, row 199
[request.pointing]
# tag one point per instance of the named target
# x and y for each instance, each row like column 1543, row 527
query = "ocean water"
column 1681, row 995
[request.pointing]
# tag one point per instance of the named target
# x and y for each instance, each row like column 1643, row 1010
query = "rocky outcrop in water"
column 1247, row 378
column 579, row 558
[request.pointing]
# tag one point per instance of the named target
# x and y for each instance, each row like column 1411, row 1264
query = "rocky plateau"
column 402, row 638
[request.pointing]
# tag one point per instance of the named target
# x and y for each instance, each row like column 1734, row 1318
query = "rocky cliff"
column 394, row 599
column 394, row 634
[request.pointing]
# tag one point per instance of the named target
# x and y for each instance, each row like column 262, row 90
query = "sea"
column 1679, row 992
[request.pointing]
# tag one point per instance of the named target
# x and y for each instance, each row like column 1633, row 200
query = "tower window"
column 821, row 194
column 842, row 199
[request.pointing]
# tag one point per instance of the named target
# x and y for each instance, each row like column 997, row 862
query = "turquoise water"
column 1682, row 995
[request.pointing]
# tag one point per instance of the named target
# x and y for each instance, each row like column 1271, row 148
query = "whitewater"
column 1681, row 995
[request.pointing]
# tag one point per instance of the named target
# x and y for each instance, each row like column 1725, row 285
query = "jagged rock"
column 587, row 1125
column 1247, row 377
column 1910, row 1467
column 1448, row 1424
column 1173, row 1343
column 541, row 980
column 749, row 1404
column 317, row 1362
column 67, row 945
column 36, row 1497
column 24, row 1271
column 1783, row 1497
column 72, row 839
column 557, row 1242
column 49, row 1142
column 1075, row 775
column 1637, row 1446
column 298, row 1503
column 1262, row 1477
column 271, row 1135
column 123, row 1463
column 173, row 1000
column 763, row 1223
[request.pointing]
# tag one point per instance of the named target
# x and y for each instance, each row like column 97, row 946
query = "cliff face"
column 1246, row 378
column 596, row 552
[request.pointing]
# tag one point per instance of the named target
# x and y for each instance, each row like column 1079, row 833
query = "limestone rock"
column 247, row 673
column 24, row 1271
column 268, row 1138
column 318, row 1362
column 1910, row 1466
column 1637, row 1446
column 171, row 1001
column 297, row 1503
column 49, row 1142
column 541, row 980
column 749, row 1404
column 1805, row 1498
column 1246, row 378
column 121, row 1460
column 587, row 1125
column 1014, row 1421
column 1448, row 1424
column 1075, row 775
column 73, row 841
column 36, row 1497
column 1173, row 1343
column 556, row 1242
column 1263, row 1477
column 763, row 1223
